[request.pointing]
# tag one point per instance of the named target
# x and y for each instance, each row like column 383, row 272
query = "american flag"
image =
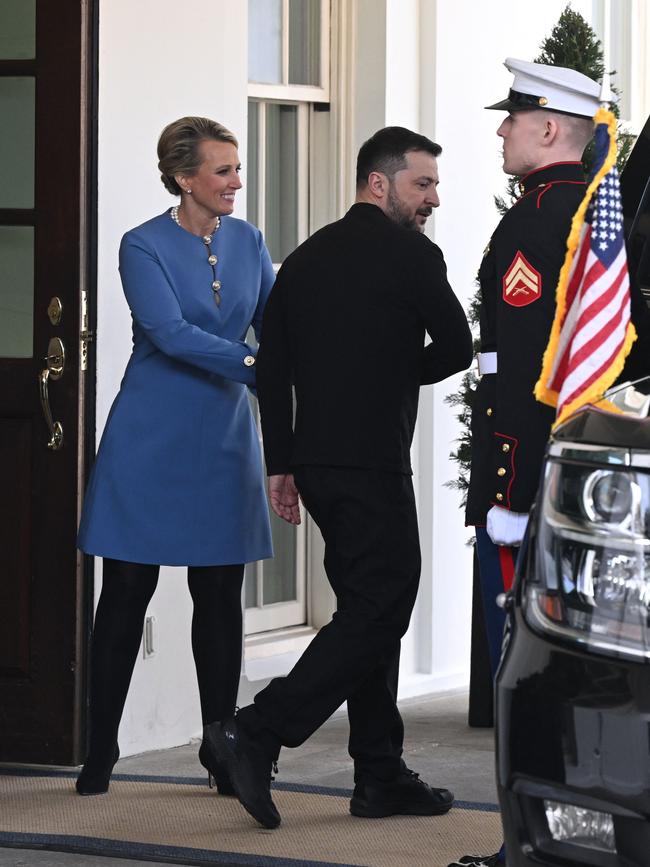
column 592, row 332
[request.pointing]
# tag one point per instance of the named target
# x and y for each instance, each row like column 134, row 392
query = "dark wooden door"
column 46, row 179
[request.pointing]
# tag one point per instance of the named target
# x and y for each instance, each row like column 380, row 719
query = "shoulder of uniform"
column 552, row 196
column 544, row 212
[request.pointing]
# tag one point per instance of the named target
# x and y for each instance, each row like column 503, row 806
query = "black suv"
column 573, row 688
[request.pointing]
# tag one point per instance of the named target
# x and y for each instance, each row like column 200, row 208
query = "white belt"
column 487, row 362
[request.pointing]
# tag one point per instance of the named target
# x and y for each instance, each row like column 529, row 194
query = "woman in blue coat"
column 178, row 477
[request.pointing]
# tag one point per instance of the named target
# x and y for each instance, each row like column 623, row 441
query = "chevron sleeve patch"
column 522, row 283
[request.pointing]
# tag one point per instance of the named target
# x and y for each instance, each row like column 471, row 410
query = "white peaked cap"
column 554, row 88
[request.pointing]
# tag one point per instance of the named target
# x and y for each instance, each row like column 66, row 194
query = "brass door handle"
column 55, row 364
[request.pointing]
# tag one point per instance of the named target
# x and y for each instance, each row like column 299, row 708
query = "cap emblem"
column 522, row 283
column 542, row 100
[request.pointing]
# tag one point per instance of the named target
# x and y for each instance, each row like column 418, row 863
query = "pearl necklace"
column 212, row 259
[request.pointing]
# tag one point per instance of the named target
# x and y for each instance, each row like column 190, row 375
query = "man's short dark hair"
column 386, row 151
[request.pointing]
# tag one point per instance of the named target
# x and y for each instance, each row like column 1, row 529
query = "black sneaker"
column 407, row 795
column 248, row 767
column 479, row 861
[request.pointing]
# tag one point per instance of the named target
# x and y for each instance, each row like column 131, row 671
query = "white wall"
column 623, row 26
column 158, row 60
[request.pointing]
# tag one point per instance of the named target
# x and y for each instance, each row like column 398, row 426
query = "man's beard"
column 397, row 212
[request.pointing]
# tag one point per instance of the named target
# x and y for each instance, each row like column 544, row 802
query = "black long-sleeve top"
column 345, row 326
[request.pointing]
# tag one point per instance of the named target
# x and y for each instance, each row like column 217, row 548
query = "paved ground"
column 439, row 746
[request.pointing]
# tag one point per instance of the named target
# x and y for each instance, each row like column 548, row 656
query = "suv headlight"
column 591, row 581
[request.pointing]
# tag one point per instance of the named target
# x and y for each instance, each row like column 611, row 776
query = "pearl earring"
column 188, row 191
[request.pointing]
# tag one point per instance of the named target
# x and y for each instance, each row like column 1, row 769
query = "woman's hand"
column 284, row 497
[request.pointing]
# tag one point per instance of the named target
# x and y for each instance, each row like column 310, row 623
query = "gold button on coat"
column 249, row 360
column 212, row 259
column 505, row 448
column 489, row 410
column 216, row 285
column 501, row 471
column 499, row 497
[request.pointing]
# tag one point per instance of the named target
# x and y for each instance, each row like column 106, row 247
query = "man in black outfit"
column 345, row 327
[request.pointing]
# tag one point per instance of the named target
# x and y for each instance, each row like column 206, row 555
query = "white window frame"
column 624, row 30
column 280, row 615
column 303, row 128
column 285, row 92
column 296, row 614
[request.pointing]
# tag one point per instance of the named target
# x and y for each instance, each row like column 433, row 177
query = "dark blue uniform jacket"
column 518, row 278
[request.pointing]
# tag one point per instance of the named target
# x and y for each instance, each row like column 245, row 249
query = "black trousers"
column 372, row 559
column 127, row 589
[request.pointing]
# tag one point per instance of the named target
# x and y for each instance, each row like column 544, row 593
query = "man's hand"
column 284, row 498
column 505, row 527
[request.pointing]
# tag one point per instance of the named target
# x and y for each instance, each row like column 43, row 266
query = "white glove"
column 505, row 527
column 626, row 398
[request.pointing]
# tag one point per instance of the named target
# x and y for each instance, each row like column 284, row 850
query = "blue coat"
column 178, row 477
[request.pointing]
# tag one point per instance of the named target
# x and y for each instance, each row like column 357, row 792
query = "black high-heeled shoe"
column 95, row 776
column 217, row 774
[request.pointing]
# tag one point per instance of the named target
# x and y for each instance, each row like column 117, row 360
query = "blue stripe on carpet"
column 150, row 852
column 301, row 788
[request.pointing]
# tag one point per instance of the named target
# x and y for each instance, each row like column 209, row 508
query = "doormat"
column 182, row 821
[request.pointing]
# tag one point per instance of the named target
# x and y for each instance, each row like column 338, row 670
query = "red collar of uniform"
column 568, row 172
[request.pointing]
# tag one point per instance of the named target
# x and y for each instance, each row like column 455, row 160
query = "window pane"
column 279, row 581
column 281, row 212
column 304, row 42
column 265, row 41
column 16, row 291
column 252, row 164
column 17, row 29
column 17, row 142
column 250, row 586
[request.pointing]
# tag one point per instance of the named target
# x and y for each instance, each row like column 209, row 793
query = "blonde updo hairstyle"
column 178, row 147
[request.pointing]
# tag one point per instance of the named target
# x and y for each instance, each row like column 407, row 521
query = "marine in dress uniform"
column 518, row 278
column 510, row 428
